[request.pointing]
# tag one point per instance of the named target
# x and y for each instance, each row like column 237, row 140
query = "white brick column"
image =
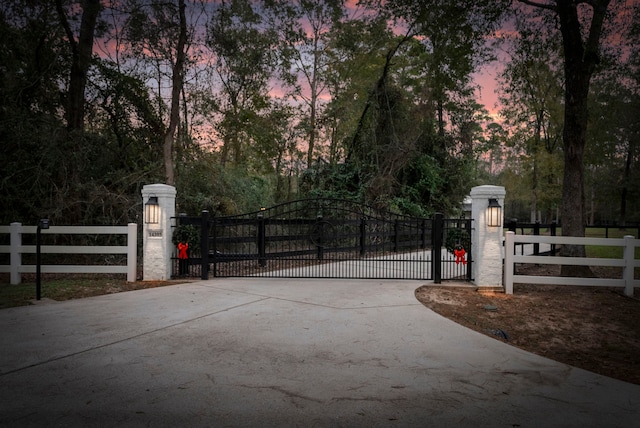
column 156, row 237
column 486, row 240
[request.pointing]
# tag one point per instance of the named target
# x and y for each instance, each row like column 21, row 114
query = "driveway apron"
column 278, row 352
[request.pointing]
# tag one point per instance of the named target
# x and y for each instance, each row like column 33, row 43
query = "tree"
column 81, row 52
column 176, row 89
column 245, row 62
column 531, row 98
column 156, row 42
column 305, row 28
column 157, row 45
column 612, row 150
column 34, row 60
column 442, row 44
column 357, row 51
column 454, row 34
column 581, row 27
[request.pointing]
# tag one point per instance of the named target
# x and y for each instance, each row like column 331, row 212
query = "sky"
column 486, row 79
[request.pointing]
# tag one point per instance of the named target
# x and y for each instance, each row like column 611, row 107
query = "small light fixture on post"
column 152, row 211
column 494, row 213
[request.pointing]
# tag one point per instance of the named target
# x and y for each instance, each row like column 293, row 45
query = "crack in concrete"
column 104, row 345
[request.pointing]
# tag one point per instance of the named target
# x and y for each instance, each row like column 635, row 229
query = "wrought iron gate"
column 324, row 238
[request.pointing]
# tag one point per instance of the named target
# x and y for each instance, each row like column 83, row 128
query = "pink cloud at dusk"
column 486, row 79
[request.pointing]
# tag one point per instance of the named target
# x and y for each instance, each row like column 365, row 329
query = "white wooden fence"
column 16, row 249
column 628, row 262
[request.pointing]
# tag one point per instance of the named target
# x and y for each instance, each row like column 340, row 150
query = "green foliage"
column 456, row 237
column 339, row 181
column 187, row 233
column 395, row 123
column 203, row 184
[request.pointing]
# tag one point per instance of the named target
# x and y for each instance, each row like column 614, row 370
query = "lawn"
column 69, row 287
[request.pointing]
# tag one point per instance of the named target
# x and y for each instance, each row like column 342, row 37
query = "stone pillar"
column 487, row 249
column 156, row 237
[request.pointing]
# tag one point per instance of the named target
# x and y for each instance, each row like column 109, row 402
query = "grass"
column 607, row 252
column 598, row 251
column 69, row 287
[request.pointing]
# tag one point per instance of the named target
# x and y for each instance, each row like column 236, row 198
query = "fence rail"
column 16, row 249
column 628, row 262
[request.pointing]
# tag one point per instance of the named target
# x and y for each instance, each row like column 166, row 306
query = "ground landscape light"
column 494, row 213
column 152, row 210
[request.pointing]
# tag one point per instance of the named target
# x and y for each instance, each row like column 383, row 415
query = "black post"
column 214, row 249
column 42, row 224
column 38, row 262
column 423, row 243
column 262, row 260
column 319, row 243
column 204, row 245
column 469, row 226
column 554, row 226
column 395, row 235
column 363, row 236
column 436, row 256
column 183, row 263
column 536, row 232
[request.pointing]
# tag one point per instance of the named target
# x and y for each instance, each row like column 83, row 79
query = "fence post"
column 132, row 251
column 508, row 263
column 319, row 242
column 536, row 232
column 469, row 228
column 363, row 236
column 15, row 231
column 214, row 250
column 262, row 260
column 436, row 257
column 204, row 245
column 628, row 270
column 396, row 238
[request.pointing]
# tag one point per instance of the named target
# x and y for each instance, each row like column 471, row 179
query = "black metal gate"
column 324, row 238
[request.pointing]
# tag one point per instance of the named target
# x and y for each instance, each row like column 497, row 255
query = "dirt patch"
column 594, row 328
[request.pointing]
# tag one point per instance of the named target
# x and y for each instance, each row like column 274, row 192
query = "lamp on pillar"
column 494, row 213
column 152, row 211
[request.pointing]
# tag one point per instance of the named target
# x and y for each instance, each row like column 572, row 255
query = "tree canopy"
column 242, row 104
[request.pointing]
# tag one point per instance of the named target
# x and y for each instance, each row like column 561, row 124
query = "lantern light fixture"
column 152, row 210
column 494, row 213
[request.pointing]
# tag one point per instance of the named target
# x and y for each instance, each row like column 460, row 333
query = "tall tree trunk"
column 579, row 64
column 580, row 60
column 174, row 115
column 81, row 51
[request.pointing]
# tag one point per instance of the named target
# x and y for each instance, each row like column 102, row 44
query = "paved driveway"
column 273, row 352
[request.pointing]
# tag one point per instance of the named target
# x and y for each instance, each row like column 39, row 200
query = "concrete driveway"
column 274, row 352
